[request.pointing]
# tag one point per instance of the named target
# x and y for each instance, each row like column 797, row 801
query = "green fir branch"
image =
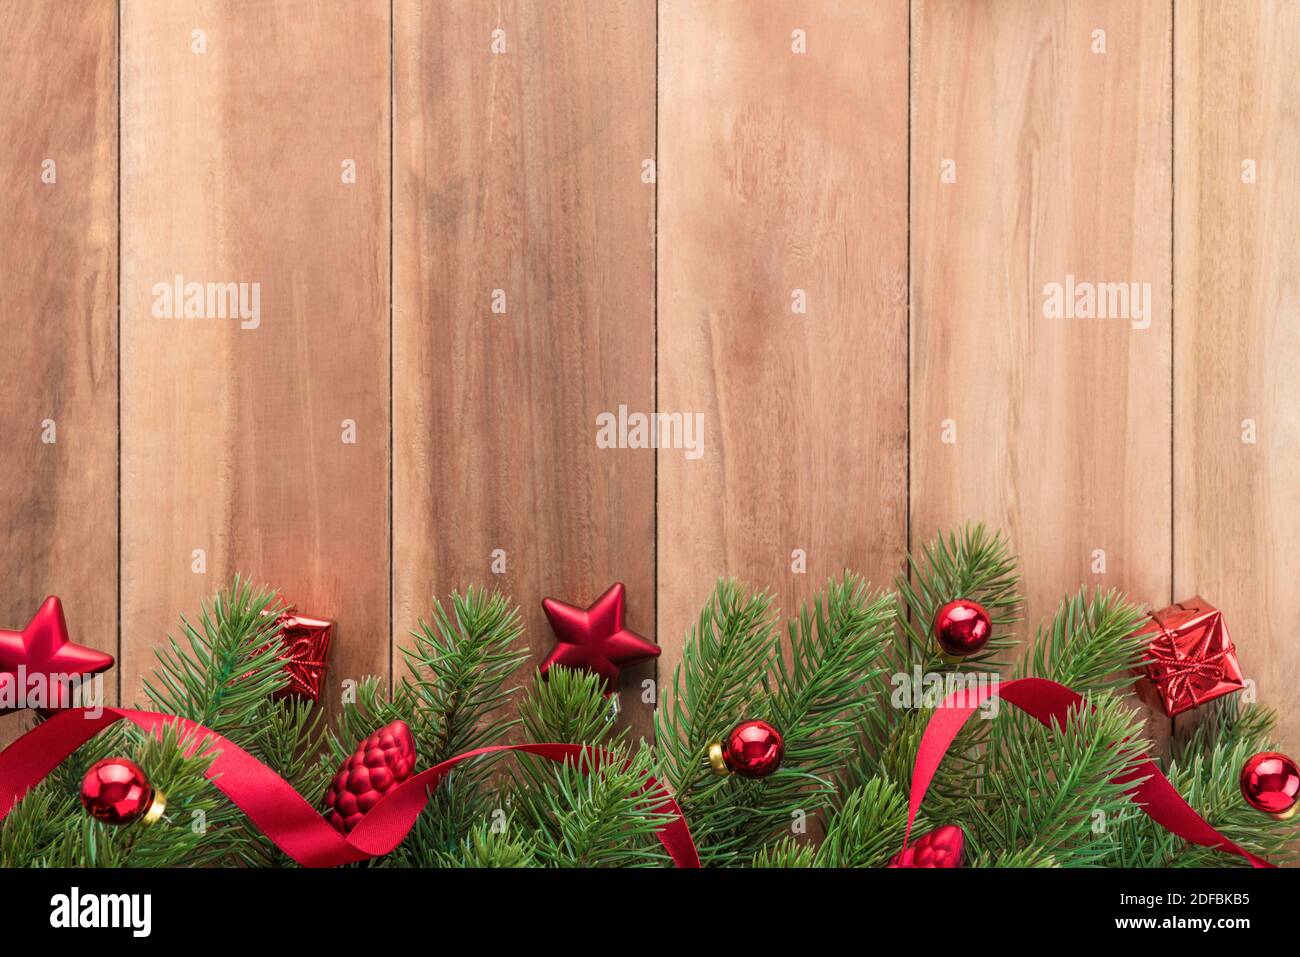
column 458, row 667
column 714, row 686
column 1053, row 789
column 567, row 705
column 971, row 564
column 1205, row 770
column 596, row 814
column 867, row 830
column 226, row 666
column 487, row 846
column 816, row 698
column 1091, row 645
column 787, row 852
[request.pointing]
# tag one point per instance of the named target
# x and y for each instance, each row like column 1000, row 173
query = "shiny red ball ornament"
column 942, row 847
column 380, row 763
column 1270, row 782
column 752, row 749
column 115, row 791
column 962, row 628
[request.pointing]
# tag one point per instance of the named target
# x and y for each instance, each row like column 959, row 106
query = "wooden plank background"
column 233, row 437
column 805, row 146
column 58, row 277
column 1054, row 429
column 538, row 195
column 1237, row 341
column 781, row 173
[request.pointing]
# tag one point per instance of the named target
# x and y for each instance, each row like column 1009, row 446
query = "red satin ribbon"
column 272, row 804
column 1050, row 702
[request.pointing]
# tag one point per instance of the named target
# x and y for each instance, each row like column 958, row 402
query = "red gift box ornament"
column 1190, row 657
column 306, row 643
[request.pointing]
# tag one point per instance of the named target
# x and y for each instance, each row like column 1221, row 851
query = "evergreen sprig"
column 787, row 852
column 569, row 706
column 1204, row 769
column 733, row 668
column 971, row 564
column 573, row 706
column 1091, row 645
column 451, row 696
column 593, row 812
column 867, row 829
column 837, row 686
column 490, row 846
column 1052, row 788
column 458, row 666
column 226, row 666
column 193, row 831
column 714, row 686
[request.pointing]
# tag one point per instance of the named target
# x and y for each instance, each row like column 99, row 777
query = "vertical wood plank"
column 1062, row 168
column 1237, row 340
column 232, row 437
column 58, row 270
column 782, row 174
column 518, row 184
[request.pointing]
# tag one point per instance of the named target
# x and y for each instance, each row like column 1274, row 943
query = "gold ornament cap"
column 156, row 809
column 717, row 761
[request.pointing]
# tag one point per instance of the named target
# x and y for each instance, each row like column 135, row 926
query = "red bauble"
column 942, row 847
column 594, row 639
column 753, row 749
column 1270, row 782
column 380, row 763
column 962, row 627
column 116, row 791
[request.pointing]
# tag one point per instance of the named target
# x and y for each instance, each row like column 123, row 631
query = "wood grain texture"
column 58, row 271
column 232, row 437
column 520, row 171
column 781, row 171
column 1237, row 341
column 1062, row 168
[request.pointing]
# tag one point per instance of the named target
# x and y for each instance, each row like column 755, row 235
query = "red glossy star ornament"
column 43, row 648
column 594, row 639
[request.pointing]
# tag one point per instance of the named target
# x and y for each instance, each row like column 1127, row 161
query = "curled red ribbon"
column 271, row 803
column 1049, row 702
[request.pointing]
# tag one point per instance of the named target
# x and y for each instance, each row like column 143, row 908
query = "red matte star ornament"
column 594, row 639
column 43, row 648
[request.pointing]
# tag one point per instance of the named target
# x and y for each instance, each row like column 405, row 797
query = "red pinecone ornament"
column 380, row 763
column 940, row 848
